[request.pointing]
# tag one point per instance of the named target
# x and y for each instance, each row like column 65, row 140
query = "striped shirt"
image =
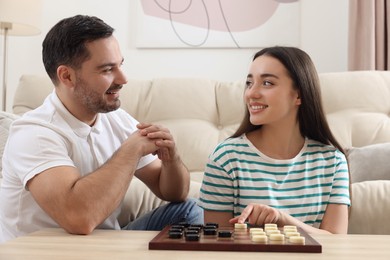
column 237, row 174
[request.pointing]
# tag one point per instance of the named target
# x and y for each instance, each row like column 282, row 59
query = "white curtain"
column 369, row 31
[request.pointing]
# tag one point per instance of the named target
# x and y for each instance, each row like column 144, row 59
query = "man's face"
column 100, row 78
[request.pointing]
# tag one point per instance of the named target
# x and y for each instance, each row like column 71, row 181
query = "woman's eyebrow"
column 267, row 75
column 264, row 75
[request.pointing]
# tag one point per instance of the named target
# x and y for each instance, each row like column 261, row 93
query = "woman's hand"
column 257, row 214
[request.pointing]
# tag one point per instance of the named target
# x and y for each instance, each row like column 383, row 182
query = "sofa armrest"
column 370, row 208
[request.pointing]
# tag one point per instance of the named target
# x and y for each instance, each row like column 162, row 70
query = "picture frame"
column 217, row 23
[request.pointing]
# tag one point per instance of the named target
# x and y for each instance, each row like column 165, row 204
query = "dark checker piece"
column 225, row 233
column 211, row 224
column 192, row 237
column 191, row 232
column 175, row 234
column 210, row 231
column 194, row 228
column 184, row 224
column 176, row 230
column 177, row 227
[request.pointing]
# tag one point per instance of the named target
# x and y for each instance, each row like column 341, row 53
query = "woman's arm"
column 335, row 218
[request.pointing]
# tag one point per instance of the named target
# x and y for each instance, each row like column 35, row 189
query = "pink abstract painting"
column 217, row 23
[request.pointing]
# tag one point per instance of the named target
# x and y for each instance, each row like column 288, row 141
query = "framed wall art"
column 217, row 23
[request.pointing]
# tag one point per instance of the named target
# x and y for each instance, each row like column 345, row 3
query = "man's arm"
column 169, row 179
column 80, row 204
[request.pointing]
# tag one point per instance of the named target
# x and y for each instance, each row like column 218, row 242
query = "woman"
column 283, row 164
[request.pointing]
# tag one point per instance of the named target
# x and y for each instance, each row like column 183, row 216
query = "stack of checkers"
column 192, row 232
column 272, row 234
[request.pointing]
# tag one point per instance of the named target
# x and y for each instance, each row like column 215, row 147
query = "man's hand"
column 169, row 178
column 162, row 139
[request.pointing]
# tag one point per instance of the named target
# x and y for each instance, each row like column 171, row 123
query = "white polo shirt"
column 50, row 136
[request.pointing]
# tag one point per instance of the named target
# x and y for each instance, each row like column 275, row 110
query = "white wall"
column 324, row 31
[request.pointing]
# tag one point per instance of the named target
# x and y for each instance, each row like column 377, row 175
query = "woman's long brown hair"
column 311, row 116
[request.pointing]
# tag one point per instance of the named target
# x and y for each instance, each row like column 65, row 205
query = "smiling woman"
column 283, row 164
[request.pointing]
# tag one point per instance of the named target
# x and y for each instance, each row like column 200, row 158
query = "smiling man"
column 69, row 162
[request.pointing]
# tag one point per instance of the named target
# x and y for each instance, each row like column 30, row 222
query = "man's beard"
column 93, row 101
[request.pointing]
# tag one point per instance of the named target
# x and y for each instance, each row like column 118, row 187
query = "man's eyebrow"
column 109, row 64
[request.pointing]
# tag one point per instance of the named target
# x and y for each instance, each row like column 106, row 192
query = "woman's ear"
column 298, row 101
column 66, row 76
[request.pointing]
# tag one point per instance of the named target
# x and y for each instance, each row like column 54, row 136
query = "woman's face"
column 269, row 95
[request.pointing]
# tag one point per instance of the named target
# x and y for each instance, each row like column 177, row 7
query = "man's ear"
column 66, row 76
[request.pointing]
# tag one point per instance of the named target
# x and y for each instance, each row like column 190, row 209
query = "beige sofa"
column 202, row 112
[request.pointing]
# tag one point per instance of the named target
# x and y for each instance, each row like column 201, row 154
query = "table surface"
column 117, row 244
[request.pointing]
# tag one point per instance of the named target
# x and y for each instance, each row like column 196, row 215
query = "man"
column 69, row 162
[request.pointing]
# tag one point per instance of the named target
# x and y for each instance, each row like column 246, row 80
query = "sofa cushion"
column 5, row 121
column 371, row 162
column 31, row 91
column 355, row 117
column 370, row 208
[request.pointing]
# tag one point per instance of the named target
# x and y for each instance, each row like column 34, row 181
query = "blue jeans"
column 168, row 214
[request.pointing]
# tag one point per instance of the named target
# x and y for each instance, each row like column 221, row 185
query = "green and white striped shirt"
column 237, row 174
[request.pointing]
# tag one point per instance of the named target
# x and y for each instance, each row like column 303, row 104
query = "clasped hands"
column 161, row 141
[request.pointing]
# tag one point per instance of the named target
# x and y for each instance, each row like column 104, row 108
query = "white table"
column 112, row 244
